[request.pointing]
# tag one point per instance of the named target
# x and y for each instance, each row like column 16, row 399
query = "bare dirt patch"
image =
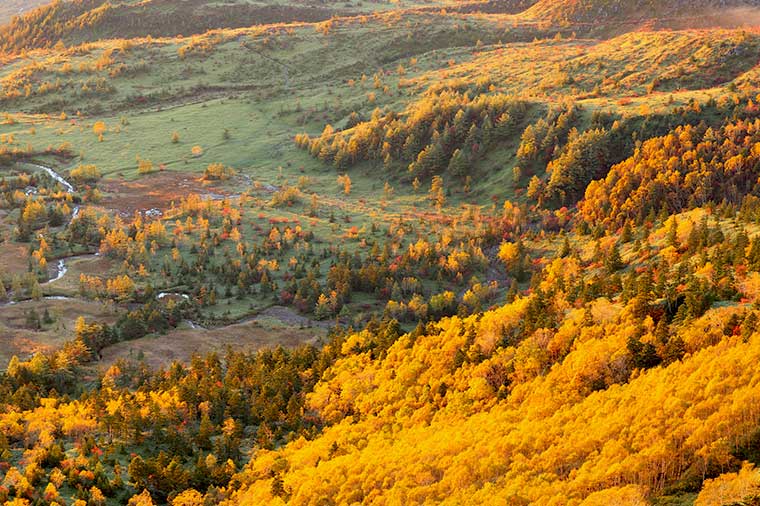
column 154, row 191
column 180, row 344
column 13, row 258
column 17, row 339
column 91, row 265
column 289, row 317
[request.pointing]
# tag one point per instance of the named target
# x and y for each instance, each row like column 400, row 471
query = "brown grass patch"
column 180, row 344
column 88, row 264
column 17, row 339
column 13, row 258
column 153, row 191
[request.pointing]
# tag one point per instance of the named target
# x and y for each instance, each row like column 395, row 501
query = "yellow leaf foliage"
column 422, row 429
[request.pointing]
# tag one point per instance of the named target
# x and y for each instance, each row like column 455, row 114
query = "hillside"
column 75, row 21
column 674, row 13
column 380, row 252
column 416, row 426
column 661, row 177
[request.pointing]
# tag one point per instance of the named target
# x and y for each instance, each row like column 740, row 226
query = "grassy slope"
column 249, row 96
column 253, row 95
column 251, row 100
column 606, row 11
column 239, row 84
column 77, row 21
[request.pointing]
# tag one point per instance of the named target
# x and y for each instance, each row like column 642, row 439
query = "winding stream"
column 61, row 266
column 58, row 179
column 62, row 269
column 163, row 295
column 53, row 174
column 48, row 297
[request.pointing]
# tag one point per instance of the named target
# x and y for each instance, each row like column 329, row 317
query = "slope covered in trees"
column 581, row 392
column 552, row 441
column 690, row 167
column 464, row 253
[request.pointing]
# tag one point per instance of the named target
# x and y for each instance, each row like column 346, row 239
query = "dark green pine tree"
column 458, row 165
column 613, row 261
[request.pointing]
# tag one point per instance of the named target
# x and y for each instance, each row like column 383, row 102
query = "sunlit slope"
column 302, row 77
column 636, row 64
column 599, row 12
column 455, row 417
column 111, row 75
column 76, row 21
column 127, row 73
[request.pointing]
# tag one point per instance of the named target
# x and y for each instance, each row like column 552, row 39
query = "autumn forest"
column 382, row 252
